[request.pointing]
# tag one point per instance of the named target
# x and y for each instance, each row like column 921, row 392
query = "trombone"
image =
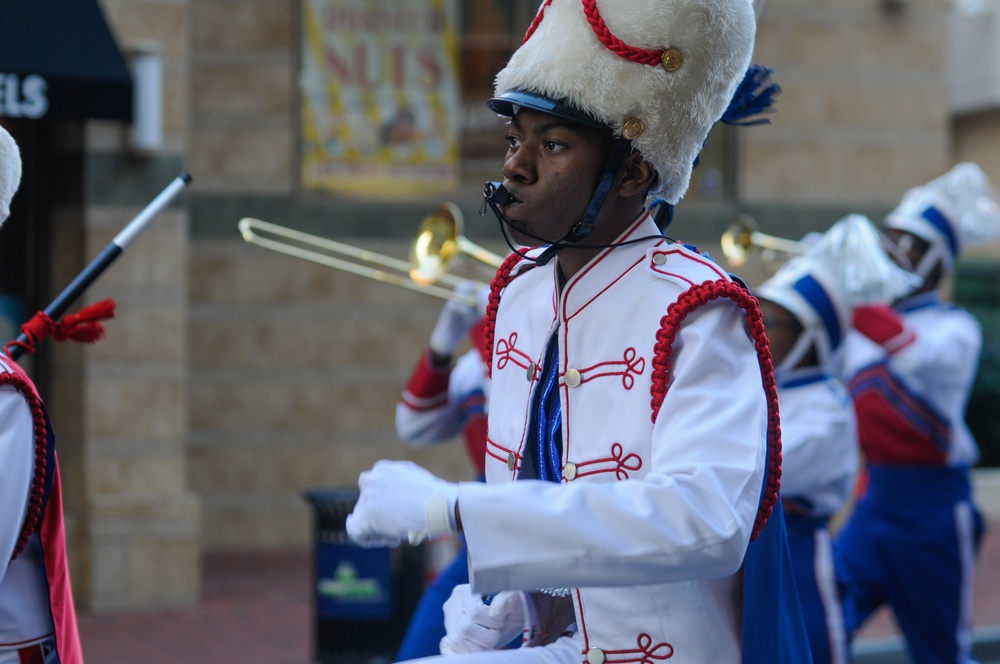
column 742, row 238
column 438, row 243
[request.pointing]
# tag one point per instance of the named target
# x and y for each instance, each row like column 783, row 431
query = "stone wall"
column 120, row 406
column 295, row 373
column 863, row 114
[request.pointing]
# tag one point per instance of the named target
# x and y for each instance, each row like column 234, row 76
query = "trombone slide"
column 327, row 252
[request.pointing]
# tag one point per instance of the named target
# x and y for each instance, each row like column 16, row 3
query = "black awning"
column 59, row 59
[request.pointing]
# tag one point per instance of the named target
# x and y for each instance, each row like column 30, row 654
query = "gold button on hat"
column 632, row 128
column 573, row 378
column 596, row 656
column 569, row 471
column 671, row 59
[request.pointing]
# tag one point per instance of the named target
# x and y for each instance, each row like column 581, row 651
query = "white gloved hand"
column 457, row 317
column 471, row 625
column 400, row 500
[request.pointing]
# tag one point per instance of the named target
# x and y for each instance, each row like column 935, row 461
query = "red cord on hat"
column 644, row 56
column 83, row 326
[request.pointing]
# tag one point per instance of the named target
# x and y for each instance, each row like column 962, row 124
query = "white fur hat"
column 950, row 212
column 845, row 267
column 658, row 72
column 10, row 172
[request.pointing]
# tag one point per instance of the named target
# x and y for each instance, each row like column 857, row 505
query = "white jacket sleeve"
column 17, row 465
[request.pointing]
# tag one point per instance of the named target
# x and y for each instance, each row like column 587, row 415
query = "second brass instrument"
column 742, row 238
column 438, row 243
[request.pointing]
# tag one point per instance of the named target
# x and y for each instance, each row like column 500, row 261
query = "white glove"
column 400, row 500
column 471, row 625
column 457, row 317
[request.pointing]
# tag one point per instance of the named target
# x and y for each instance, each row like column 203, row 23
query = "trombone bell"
column 436, row 244
column 736, row 240
column 742, row 238
column 439, row 242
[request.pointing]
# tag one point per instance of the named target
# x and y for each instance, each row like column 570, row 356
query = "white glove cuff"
column 441, row 515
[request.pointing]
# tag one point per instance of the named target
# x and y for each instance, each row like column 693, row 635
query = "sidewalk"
column 257, row 608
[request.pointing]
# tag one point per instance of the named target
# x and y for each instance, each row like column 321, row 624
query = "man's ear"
column 636, row 176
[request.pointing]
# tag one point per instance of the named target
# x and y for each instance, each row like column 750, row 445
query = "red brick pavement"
column 257, row 609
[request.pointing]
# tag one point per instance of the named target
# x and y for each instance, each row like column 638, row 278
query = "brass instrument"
column 742, row 238
column 438, row 243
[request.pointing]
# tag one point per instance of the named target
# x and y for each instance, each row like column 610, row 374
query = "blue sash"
column 774, row 631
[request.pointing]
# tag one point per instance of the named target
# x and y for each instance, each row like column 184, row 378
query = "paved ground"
column 257, row 608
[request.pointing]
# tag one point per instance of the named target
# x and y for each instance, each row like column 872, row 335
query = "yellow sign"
column 380, row 99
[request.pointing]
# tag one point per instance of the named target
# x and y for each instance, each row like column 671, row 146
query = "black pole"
column 113, row 250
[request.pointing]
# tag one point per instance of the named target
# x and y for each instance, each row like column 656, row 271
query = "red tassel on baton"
column 84, row 326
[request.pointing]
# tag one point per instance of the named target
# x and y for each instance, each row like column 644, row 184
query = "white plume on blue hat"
column 10, row 172
column 666, row 104
column 951, row 212
column 845, row 267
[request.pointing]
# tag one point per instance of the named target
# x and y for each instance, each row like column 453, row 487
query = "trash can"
column 364, row 598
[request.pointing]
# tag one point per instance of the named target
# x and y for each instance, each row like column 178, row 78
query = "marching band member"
column 807, row 308
column 37, row 615
column 911, row 368
column 443, row 399
column 633, row 449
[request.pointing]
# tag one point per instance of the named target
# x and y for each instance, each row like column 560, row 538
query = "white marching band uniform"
column 24, row 616
column 911, row 369
column 819, row 464
column 37, row 615
column 819, row 454
column 652, row 518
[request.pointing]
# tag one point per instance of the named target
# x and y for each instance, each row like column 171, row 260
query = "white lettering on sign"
column 23, row 98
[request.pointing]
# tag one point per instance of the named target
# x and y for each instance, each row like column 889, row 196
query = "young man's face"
column 551, row 169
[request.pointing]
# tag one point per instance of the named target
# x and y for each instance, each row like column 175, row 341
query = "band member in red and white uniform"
column 37, row 615
column 807, row 308
column 446, row 398
column 633, row 448
column 910, row 541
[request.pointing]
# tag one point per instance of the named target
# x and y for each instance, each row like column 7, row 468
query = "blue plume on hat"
column 754, row 95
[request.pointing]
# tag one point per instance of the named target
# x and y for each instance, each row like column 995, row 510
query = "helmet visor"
column 507, row 103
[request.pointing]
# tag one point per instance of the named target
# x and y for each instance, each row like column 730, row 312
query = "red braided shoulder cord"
column 84, row 326
column 36, row 495
column 500, row 282
column 663, row 351
column 643, row 56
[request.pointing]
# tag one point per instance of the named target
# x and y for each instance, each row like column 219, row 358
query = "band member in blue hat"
column 911, row 539
column 807, row 307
